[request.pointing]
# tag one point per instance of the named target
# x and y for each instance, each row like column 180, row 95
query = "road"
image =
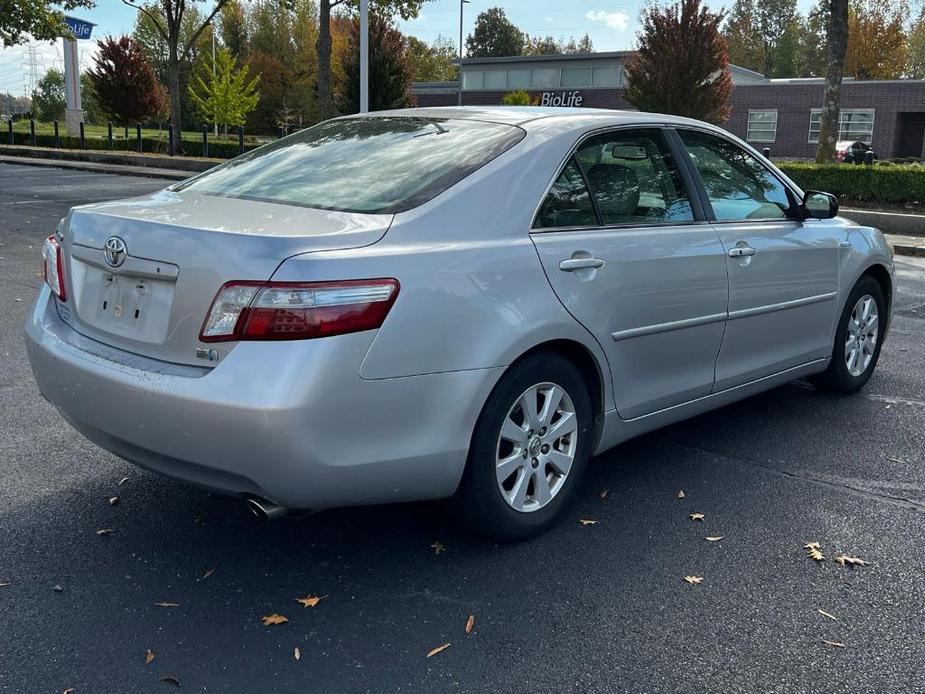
column 586, row 608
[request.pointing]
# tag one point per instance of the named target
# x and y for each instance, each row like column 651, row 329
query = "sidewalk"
column 119, row 169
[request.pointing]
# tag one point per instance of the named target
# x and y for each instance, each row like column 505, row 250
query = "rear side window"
column 634, row 179
column 374, row 165
column 568, row 203
column 738, row 186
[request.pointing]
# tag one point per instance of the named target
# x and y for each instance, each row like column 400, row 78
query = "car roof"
column 549, row 116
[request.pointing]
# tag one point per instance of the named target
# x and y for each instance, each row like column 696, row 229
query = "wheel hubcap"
column 536, row 447
column 861, row 339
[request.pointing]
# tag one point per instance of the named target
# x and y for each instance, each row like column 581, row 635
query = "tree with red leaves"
column 682, row 64
column 124, row 82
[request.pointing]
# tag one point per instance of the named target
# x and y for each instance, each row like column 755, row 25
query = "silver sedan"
column 461, row 303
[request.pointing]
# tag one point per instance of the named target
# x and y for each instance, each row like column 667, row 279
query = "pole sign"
column 561, row 99
column 79, row 27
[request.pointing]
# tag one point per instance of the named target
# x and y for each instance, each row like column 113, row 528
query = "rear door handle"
column 741, row 251
column 572, row 264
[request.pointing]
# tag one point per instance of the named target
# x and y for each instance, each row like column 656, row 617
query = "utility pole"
column 213, row 70
column 459, row 91
column 364, row 56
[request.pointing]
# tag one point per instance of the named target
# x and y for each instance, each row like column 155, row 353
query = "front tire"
column 858, row 340
column 529, row 450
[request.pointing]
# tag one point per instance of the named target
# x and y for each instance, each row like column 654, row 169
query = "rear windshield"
column 375, row 165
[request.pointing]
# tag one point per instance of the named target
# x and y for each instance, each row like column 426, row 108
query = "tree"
column 168, row 22
column 43, row 21
column 810, row 52
column 547, row 45
column 124, row 82
column 434, row 62
column 233, row 30
column 774, row 21
column 227, row 93
column 876, row 39
column 406, row 9
column 494, row 36
column 742, row 37
column 48, row 98
column 390, row 73
column 915, row 67
column 837, row 43
column 681, row 65
column 91, row 107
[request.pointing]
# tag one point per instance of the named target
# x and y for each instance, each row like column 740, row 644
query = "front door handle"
column 572, row 264
column 741, row 251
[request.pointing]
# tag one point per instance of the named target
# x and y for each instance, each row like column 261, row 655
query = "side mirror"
column 818, row 205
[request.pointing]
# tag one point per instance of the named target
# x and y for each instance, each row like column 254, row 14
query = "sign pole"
column 73, row 115
column 364, row 56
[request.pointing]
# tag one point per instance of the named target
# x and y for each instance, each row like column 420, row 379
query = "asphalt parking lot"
column 587, row 608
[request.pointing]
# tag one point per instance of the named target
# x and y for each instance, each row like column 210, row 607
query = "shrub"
column 150, row 145
column 879, row 184
column 519, row 98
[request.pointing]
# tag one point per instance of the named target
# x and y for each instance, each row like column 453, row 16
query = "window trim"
column 814, row 111
column 748, row 123
column 698, row 210
column 795, row 194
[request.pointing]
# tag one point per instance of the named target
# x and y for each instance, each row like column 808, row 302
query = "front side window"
column 379, row 165
column 738, row 186
column 634, row 179
column 568, row 203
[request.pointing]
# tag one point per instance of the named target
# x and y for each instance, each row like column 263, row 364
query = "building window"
column 853, row 124
column 518, row 79
column 573, row 78
column 545, row 78
column 762, row 126
column 495, row 79
column 473, row 79
column 606, row 77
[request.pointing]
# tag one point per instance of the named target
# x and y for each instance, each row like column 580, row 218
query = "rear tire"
column 518, row 482
column 858, row 339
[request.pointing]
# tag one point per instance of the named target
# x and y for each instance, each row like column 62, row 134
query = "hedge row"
column 149, row 145
column 880, row 183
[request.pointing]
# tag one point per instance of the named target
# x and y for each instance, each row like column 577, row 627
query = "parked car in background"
column 460, row 303
column 852, row 151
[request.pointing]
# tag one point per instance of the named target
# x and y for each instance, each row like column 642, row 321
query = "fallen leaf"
column 437, row 547
column 167, row 604
column 58, row 589
column 680, row 493
column 311, row 600
column 69, row 690
column 113, row 500
column 896, row 460
column 4, row 585
column 149, row 656
column 604, row 493
column 845, row 560
column 438, row 649
column 588, row 521
column 207, row 574
column 713, row 538
column 814, row 551
column 122, row 481
column 296, row 653
column 827, row 614
column 272, row 619
column 836, row 644
column 105, row 531
column 470, row 623
column 697, row 516
column 170, row 679
column 694, row 580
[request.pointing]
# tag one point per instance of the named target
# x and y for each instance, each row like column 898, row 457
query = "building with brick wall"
column 781, row 114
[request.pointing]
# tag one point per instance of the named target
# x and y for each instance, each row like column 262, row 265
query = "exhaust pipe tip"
column 264, row 510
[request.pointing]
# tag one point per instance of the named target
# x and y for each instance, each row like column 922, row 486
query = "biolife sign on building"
column 561, row 99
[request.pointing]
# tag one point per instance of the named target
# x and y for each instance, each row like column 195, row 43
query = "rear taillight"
column 53, row 267
column 297, row 310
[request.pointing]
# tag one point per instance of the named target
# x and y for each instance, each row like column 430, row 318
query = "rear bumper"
column 291, row 422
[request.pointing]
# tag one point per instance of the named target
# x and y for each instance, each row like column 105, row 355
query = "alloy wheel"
column 861, row 340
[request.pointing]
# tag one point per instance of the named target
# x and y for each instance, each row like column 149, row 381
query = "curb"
column 905, row 249
column 117, row 169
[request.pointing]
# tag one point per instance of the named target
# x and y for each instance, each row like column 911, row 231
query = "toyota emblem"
column 115, row 251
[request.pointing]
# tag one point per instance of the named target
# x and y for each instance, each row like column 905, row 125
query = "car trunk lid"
column 142, row 272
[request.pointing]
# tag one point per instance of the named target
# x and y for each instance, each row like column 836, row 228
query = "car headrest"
column 616, row 188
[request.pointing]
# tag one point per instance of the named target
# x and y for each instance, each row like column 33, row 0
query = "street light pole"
column 213, row 70
column 459, row 91
column 364, row 56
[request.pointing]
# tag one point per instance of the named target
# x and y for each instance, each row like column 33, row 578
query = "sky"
column 611, row 25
